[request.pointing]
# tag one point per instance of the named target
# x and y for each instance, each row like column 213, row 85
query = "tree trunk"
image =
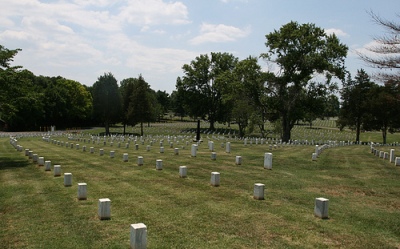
column 124, row 128
column 107, row 126
column 141, row 128
column 212, row 127
column 286, row 129
column 384, row 134
column 358, row 130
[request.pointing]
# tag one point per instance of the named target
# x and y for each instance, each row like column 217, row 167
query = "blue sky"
column 83, row 39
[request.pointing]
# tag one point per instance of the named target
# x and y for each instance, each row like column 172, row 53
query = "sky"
column 84, row 39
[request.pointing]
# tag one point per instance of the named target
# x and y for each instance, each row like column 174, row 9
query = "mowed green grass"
column 37, row 211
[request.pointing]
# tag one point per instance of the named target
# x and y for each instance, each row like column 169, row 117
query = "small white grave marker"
column 82, row 191
column 112, row 154
column 138, row 236
column 41, row 161
column 57, row 170
column 140, row 161
column 67, row 179
column 47, row 165
column 104, row 211
column 228, row 147
column 268, row 160
column 159, row 164
column 238, row 160
column 182, row 171
column 125, row 157
column 215, row 179
column 213, row 156
column 258, row 191
column 194, row 150
column 321, row 207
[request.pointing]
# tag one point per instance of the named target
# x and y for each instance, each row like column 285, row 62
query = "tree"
column 106, row 100
column 385, row 55
column 203, row 86
column 247, row 95
column 383, row 108
column 163, row 100
column 300, row 52
column 126, row 90
column 177, row 101
column 141, row 107
column 355, row 102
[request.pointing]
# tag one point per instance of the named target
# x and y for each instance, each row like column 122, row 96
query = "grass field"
column 37, row 211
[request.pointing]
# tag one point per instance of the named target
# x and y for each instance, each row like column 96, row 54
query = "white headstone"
column 125, row 157
column 194, row 150
column 47, row 165
column 392, row 155
column 183, row 171
column 41, row 161
column 321, row 207
column 213, row 156
column 101, row 152
column 238, row 160
column 67, row 179
column 140, row 161
column 228, row 147
column 215, row 179
column 104, row 210
column 258, row 191
column 82, row 191
column 268, row 161
column 57, row 170
column 176, row 151
column 159, row 164
column 138, row 236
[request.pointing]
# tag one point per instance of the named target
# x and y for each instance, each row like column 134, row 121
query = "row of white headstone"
column 138, row 231
column 386, row 155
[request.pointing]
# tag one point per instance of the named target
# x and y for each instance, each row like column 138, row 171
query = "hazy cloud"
column 219, row 33
column 337, row 32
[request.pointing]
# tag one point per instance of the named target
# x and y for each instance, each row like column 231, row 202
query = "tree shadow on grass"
column 12, row 163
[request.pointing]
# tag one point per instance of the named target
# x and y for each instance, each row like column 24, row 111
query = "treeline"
column 307, row 70
column 29, row 102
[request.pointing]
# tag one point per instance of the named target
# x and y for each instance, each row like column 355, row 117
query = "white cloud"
column 337, row 32
column 219, row 33
column 154, row 12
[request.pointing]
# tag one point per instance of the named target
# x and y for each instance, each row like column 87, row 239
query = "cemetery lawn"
column 37, row 211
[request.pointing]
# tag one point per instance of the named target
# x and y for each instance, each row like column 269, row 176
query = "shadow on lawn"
column 10, row 163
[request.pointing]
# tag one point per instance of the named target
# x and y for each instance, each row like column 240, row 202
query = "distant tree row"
column 307, row 67
column 29, row 102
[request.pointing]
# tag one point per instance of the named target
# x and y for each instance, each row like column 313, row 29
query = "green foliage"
column 355, row 101
column 106, row 100
column 300, row 51
column 204, row 84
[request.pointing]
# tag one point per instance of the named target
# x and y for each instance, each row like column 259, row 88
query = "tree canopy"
column 300, row 51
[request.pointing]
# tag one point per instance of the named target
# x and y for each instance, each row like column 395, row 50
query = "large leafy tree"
column 20, row 104
column 355, row 102
column 384, row 106
column 106, row 100
column 300, row 52
column 247, row 95
column 177, row 102
column 142, row 103
column 203, row 85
